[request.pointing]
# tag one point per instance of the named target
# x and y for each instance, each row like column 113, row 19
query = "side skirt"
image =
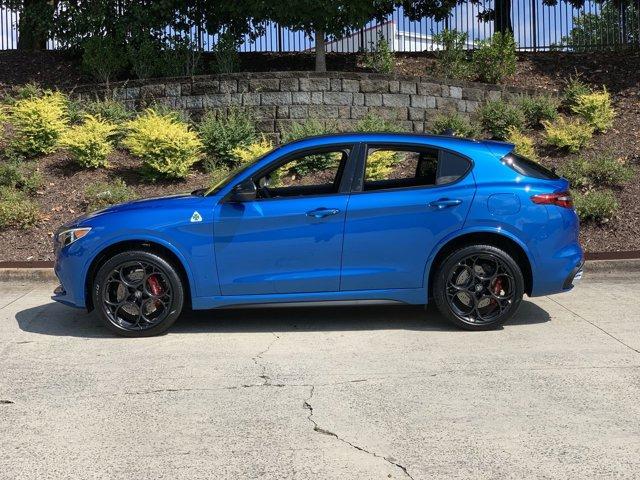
column 361, row 297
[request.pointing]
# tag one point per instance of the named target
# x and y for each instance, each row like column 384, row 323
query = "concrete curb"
column 596, row 267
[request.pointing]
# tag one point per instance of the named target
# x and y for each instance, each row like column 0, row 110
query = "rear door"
column 408, row 199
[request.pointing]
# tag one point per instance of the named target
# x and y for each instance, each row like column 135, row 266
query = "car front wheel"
column 138, row 294
column 478, row 287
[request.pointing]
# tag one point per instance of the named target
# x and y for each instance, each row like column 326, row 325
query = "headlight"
column 67, row 237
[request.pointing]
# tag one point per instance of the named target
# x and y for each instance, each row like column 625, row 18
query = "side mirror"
column 244, row 191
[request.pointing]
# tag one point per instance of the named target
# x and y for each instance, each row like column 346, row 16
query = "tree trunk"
column 502, row 17
column 321, row 52
column 35, row 17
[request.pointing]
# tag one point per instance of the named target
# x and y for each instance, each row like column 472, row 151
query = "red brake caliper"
column 155, row 288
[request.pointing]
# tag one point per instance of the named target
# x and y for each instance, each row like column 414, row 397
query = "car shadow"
column 57, row 320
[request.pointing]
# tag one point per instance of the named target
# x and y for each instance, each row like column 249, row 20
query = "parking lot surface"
column 330, row 393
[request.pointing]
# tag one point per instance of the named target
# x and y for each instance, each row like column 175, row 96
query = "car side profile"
column 335, row 219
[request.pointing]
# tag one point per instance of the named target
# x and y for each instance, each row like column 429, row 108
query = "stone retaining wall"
column 277, row 99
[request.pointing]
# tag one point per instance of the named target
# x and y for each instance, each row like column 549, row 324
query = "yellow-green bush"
column 571, row 134
column 596, row 109
column 102, row 194
column 524, row 144
column 380, row 164
column 596, row 206
column 38, row 123
column 253, row 151
column 20, row 175
column 166, row 146
column 89, row 143
column 460, row 126
column 16, row 210
column 604, row 170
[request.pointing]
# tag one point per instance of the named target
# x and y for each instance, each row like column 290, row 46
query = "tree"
column 36, row 21
column 323, row 18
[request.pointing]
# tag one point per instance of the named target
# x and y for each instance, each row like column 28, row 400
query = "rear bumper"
column 557, row 273
column 574, row 277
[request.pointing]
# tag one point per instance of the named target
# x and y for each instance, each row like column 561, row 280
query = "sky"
column 551, row 24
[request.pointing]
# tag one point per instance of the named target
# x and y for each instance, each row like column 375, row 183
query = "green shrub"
column 496, row 116
column 23, row 92
column 167, row 147
column 539, row 108
column 596, row 109
column 103, row 58
column 90, row 143
column 38, row 123
column 100, row 195
column 222, row 133
column 524, row 144
column 145, row 57
column 571, row 134
column 180, row 58
column 453, row 56
column 16, row 210
column 604, row 170
column 574, row 89
column 308, row 128
column 495, row 58
column 595, row 206
column 253, row 151
column 380, row 164
column 110, row 110
column 373, row 123
column 225, row 54
column 379, row 56
column 460, row 125
column 19, row 175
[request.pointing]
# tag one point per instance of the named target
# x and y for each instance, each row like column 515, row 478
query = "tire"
column 478, row 287
column 138, row 294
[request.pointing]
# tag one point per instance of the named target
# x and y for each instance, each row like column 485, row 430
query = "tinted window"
column 397, row 167
column 313, row 173
column 527, row 167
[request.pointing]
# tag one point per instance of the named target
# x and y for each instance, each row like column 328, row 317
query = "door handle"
column 323, row 212
column 445, row 202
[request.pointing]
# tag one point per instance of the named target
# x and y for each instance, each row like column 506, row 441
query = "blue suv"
column 337, row 219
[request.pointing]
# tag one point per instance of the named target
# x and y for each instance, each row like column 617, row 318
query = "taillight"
column 561, row 199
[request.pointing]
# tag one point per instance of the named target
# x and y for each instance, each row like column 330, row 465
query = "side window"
column 398, row 167
column 314, row 173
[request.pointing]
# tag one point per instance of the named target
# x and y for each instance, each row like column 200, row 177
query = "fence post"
column 279, row 30
column 534, row 26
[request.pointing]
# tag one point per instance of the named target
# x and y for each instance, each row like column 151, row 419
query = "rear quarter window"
column 527, row 167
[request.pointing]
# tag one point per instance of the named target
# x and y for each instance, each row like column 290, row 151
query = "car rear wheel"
column 138, row 294
column 478, row 287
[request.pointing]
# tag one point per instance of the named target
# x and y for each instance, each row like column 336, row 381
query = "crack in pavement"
column 317, row 428
column 266, row 381
column 594, row 325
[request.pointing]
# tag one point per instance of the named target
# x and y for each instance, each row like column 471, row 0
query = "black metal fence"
column 536, row 27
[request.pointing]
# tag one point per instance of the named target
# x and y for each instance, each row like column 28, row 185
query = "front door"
column 289, row 239
column 411, row 198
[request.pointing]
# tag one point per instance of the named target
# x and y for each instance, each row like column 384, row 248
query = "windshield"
column 219, row 185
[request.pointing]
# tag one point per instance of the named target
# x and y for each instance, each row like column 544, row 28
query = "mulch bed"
column 62, row 196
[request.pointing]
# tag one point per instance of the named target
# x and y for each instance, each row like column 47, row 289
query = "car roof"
column 442, row 141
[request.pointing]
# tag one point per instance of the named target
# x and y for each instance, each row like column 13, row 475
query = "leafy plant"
column 495, row 58
column 307, row 128
column 568, row 134
column 253, row 151
column 538, row 108
column 167, row 147
column 100, row 195
column 455, row 123
column 89, row 144
column 524, row 144
column 604, row 170
column 496, row 116
column 110, row 110
column 38, row 123
column 16, row 210
column 453, row 56
column 380, row 164
column 221, row 133
column 596, row 109
column 103, row 58
column 181, row 57
column 145, row 57
column 373, row 123
column 574, row 89
column 225, row 54
column 19, row 175
column 379, row 56
column 595, row 206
